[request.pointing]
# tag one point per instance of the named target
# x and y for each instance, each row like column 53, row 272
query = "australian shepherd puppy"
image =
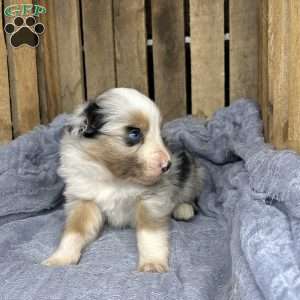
column 118, row 170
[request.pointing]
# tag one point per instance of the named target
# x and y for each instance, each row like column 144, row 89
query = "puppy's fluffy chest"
column 119, row 203
column 116, row 199
column 87, row 179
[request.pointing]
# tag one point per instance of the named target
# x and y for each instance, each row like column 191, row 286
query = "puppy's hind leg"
column 184, row 212
column 84, row 221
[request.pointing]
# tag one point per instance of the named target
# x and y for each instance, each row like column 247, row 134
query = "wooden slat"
column 60, row 59
column 294, row 75
column 278, row 71
column 279, row 88
column 98, row 46
column 130, row 44
column 263, row 83
column 69, row 53
column 169, row 57
column 5, row 113
column 243, row 48
column 48, row 66
column 207, row 55
column 23, row 84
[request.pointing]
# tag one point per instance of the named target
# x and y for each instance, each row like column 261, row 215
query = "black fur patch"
column 94, row 119
column 195, row 206
column 165, row 141
column 184, row 168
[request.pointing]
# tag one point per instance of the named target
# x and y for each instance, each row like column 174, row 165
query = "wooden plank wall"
column 279, row 75
column 98, row 40
column 294, row 75
column 130, row 44
column 23, row 84
column 169, row 57
column 243, row 18
column 60, row 62
column 263, row 84
column 5, row 112
column 207, row 56
column 173, row 50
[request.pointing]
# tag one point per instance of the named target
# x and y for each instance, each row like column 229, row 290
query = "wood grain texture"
column 278, row 71
column 48, row 66
column 5, row 113
column 243, row 49
column 23, row 84
column 263, row 82
column 70, row 53
column 60, row 59
column 169, row 57
column 98, row 46
column 130, row 44
column 207, row 55
column 294, row 75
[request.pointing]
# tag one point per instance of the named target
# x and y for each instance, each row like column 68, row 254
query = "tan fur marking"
column 82, row 217
column 116, row 157
column 84, row 221
column 144, row 219
column 139, row 119
column 155, row 267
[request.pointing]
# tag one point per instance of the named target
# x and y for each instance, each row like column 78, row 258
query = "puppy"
column 118, row 170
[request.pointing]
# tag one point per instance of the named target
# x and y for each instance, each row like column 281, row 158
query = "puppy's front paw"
column 154, row 267
column 61, row 259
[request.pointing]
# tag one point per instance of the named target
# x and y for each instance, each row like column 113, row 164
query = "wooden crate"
column 279, row 71
column 190, row 56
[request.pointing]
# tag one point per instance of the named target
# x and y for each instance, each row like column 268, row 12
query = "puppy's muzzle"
column 159, row 162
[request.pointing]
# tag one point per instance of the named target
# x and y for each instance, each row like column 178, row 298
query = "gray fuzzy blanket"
column 245, row 243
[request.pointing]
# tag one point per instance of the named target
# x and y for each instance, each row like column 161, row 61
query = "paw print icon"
column 24, row 32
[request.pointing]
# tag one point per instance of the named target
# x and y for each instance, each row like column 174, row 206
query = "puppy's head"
column 121, row 129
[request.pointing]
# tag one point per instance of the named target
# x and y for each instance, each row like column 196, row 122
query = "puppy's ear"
column 94, row 120
column 87, row 121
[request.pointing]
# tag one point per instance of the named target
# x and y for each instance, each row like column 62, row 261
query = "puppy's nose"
column 165, row 167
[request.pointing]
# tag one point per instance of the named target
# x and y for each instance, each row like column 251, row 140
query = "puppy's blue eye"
column 134, row 136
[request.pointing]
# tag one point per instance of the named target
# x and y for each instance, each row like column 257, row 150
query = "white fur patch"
column 153, row 248
column 184, row 211
column 67, row 253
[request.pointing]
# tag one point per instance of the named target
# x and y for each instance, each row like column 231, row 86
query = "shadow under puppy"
column 118, row 170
